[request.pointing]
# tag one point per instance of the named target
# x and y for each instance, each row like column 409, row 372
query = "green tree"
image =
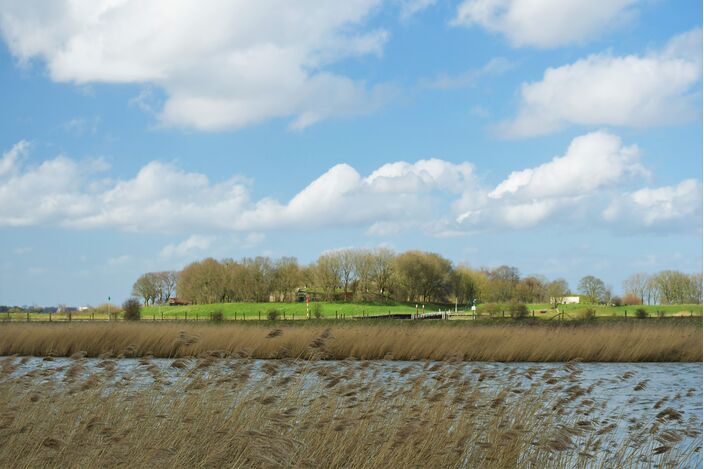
column 557, row 290
column 423, row 276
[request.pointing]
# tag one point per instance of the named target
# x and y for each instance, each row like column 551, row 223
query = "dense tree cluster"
column 155, row 287
column 383, row 275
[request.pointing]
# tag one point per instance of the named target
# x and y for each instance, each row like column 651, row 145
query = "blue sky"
column 564, row 138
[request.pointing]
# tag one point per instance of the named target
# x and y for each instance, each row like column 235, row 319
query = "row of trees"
column 665, row 287
column 372, row 275
column 361, row 275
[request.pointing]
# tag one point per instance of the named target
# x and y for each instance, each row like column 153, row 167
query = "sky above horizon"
column 563, row 138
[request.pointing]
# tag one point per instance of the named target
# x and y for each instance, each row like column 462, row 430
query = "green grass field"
column 331, row 310
column 289, row 311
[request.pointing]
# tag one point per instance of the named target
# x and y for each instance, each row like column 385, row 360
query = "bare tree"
column 327, row 274
column 286, row 277
column 637, row 284
column 383, row 271
column 167, row 284
column 147, row 287
column 592, row 287
column 346, row 262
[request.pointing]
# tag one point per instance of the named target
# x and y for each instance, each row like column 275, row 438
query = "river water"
column 631, row 392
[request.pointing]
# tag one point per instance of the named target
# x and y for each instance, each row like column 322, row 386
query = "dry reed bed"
column 598, row 343
column 321, row 414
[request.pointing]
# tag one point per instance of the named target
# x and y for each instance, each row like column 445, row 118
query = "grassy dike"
column 330, row 310
column 673, row 340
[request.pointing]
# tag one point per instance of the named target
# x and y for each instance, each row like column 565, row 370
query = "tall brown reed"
column 315, row 414
column 600, row 343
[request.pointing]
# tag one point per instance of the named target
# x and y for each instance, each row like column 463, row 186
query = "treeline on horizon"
column 381, row 275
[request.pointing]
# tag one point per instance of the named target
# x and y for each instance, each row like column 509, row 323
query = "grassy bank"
column 233, row 413
column 656, row 341
column 329, row 310
column 332, row 310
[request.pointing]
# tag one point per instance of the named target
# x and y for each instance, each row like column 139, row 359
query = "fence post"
column 533, row 313
column 27, row 316
column 162, row 316
column 8, row 314
column 625, row 313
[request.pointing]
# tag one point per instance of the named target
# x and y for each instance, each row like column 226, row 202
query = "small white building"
column 566, row 300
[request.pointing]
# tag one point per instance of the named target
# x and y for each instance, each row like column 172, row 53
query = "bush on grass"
column 518, row 310
column 132, row 309
column 317, row 310
column 586, row 314
column 273, row 314
column 492, row 309
column 217, row 316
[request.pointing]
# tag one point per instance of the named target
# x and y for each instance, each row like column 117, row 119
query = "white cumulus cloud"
column 657, row 88
column 583, row 187
column 188, row 247
column 664, row 207
column 544, row 23
column 222, row 64
column 592, row 161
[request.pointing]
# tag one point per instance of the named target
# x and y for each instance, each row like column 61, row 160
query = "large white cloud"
column 544, row 23
column 657, row 88
column 661, row 207
column 574, row 188
column 222, row 63
column 395, row 192
column 591, row 162
column 583, row 187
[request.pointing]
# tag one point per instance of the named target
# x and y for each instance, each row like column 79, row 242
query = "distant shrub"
column 132, row 309
column 586, row 314
column 105, row 308
column 641, row 313
column 518, row 310
column 492, row 309
column 273, row 314
column 317, row 310
column 616, row 301
column 631, row 300
column 217, row 316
